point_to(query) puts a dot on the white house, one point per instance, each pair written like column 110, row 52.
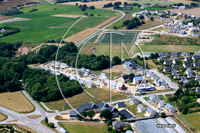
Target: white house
column 150, row 112
column 141, row 108
column 170, row 108
column 161, row 104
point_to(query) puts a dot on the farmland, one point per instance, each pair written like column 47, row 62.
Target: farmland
column 83, row 127
column 3, row 117
column 191, row 120
column 38, row 29
column 16, row 101
column 77, row 100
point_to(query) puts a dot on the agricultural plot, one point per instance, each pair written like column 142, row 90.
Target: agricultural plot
column 120, row 37
column 42, row 26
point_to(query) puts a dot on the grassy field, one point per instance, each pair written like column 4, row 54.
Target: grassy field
column 191, row 120
column 126, row 38
column 38, row 28
column 167, row 2
column 3, row 117
column 84, row 127
column 77, row 100
column 16, row 101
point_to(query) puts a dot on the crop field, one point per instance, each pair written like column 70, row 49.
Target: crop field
column 83, row 127
column 99, row 94
column 43, row 26
column 16, row 101
column 122, row 37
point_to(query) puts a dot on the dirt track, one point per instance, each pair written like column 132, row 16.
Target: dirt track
column 67, row 16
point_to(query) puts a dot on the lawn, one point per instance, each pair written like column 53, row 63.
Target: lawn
column 41, row 26
column 16, row 101
column 84, row 127
column 3, row 117
column 191, row 120
column 82, row 98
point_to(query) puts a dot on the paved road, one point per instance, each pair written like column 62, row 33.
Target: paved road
column 166, row 78
column 26, row 121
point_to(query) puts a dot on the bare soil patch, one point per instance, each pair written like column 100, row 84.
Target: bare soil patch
column 117, row 69
column 67, row 16
column 194, row 11
column 97, row 4
column 22, row 50
column 108, row 21
column 34, row 116
column 5, row 17
column 80, row 35
column 13, row 20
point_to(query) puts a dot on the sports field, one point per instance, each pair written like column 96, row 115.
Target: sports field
column 43, row 26
column 83, row 127
column 16, row 101
column 82, row 98
column 119, row 37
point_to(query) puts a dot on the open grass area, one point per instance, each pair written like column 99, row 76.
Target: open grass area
column 162, row 2
column 44, row 124
column 84, row 127
column 191, row 120
column 99, row 94
column 16, row 101
column 3, row 117
column 41, row 26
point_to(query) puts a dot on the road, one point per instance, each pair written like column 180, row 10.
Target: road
column 166, row 78
column 26, row 121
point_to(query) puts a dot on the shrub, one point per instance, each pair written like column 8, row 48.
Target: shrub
column 50, row 125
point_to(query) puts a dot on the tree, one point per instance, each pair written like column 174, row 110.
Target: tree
column 125, row 3
column 110, row 129
column 142, row 22
column 91, row 114
column 79, row 117
column 115, row 27
column 185, row 99
column 141, row 17
column 151, row 18
column 86, row 14
column 129, row 128
column 91, row 15
column 51, row 125
column 125, row 23
column 163, row 115
column 76, row 4
column 84, row 113
column 109, row 122
column 106, row 114
column 46, row 120
column 131, row 25
column 123, row 117
column 83, row 9
column 116, row 60
column 92, row 7
column 116, row 131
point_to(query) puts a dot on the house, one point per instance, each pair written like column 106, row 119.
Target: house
column 190, row 25
column 110, row 84
column 164, row 85
column 187, row 59
column 127, row 78
column 175, row 74
column 112, row 109
column 174, row 54
column 144, row 87
column 196, row 64
column 89, row 84
column 195, row 32
column 120, row 104
column 170, row 108
column 174, row 68
column 160, row 59
column 101, row 105
column 197, row 78
column 86, row 107
column 137, row 80
column 133, row 100
column 81, row 81
column 167, row 62
column 146, row 6
column 141, row 108
column 197, row 53
column 198, row 90
column 161, row 104
column 154, row 98
column 150, row 112
column 186, row 65
column 185, row 54
column 175, row 61
column 120, row 86
column 167, row 69
column 182, row 7
column 129, row 65
column 126, row 113
column 195, row 57
column 184, row 80
column 72, row 115
column 187, row 71
column 120, row 124
column 163, row 54
column 102, row 77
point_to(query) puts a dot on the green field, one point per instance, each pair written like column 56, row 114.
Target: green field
column 38, row 28
column 191, row 120
column 125, row 37
column 84, row 128
column 164, row 2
